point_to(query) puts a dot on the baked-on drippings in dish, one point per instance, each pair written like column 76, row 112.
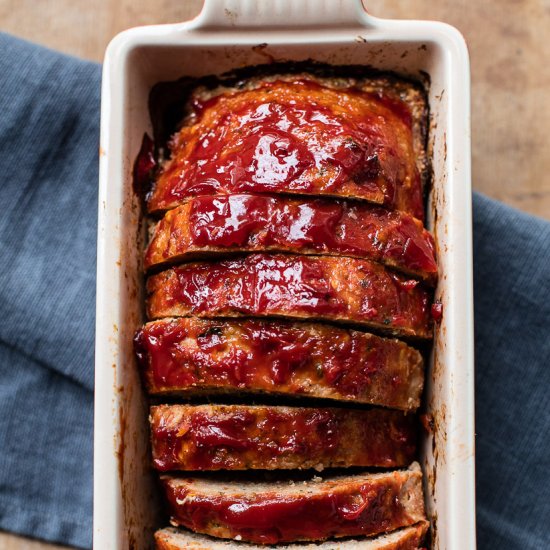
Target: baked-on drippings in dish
column 294, row 137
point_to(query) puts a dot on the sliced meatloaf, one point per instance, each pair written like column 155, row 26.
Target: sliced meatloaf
column 241, row 437
column 189, row 355
column 274, row 512
column 213, row 225
column 309, row 287
column 345, row 137
column 407, row 538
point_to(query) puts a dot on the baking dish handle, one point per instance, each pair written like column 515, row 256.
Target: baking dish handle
column 241, row 14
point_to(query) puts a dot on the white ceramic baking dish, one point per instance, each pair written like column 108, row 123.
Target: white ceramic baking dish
column 224, row 36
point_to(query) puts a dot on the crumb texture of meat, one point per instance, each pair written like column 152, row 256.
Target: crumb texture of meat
column 406, row 538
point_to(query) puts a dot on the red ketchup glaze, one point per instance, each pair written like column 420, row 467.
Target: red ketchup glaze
column 238, row 438
column 295, row 137
column 297, row 358
column 255, row 223
column 367, row 509
column 437, row 311
column 167, row 436
column 343, row 289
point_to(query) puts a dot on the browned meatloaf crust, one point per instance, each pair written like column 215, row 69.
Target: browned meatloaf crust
column 214, row 225
column 349, row 137
column 190, row 355
column 240, row 437
column 274, row 512
column 307, row 287
column 407, row 538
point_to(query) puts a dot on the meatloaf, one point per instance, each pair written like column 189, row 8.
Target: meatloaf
column 346, row 137
column 311, row 287
column 213, row 225
column 240, row 437
column 190, row 355
column 274, row 512
column 407, row 538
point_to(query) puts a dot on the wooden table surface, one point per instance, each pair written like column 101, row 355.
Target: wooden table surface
column 510, row 81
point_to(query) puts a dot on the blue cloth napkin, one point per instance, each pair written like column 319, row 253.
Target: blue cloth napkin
column 512, row 319
column 48, row 161
column 49, row 127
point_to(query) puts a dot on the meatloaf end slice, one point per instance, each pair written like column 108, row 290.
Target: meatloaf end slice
column 296, row 133
column 274, row 512
column 407, row 538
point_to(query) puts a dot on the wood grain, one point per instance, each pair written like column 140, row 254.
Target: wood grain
column 12, row 542
column 509, row 56
column 510, row 79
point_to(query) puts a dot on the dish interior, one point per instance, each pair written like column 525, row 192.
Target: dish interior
column 134, row 65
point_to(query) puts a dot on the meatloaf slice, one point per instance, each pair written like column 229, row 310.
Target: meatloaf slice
column 274, row 512
column 254, row 223
column 190, row 355
column 346, row 137
column 311, row 287
column 407, row 538
column 241, row 437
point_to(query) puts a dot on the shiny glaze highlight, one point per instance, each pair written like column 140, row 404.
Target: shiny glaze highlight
column 255, row 223
column 295, row 137
column 238, row 437
column 335, row 508
column 187, row 355
column 316, row 287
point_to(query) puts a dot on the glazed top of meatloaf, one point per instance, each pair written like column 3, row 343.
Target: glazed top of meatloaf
column 361, row 138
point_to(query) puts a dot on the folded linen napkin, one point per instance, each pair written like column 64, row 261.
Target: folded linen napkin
column 48, row 160
column 49, row 124
column 512, row 336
